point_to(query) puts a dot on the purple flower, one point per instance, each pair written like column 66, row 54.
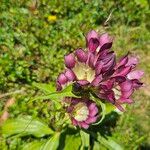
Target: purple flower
column 95, row 68
column 120, row 85
column 96, row 42
column 82, row 112
column 65, row 78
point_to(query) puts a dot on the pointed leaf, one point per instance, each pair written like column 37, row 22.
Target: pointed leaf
column 25, row 126
column 49, row 88
column 85, row 137
column 109, row 143
column 72, row 142
column 56, row 96
column 38, row 145
column 52, row 143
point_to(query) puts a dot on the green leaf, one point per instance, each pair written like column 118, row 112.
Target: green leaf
column 38, row 145
column 25, row 126
column 110, row 107
column 49, row 88
column 52, row 143
column 85, row 137
column 109, row 143
column 57, row 96
column 72, row 142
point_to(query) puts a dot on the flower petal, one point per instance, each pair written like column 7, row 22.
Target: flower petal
column 84, row 125
column 126, row 94
column 74, row 122
column 92, row 39
column 105, row 41
column 93, row 112
column 81, row 55
column 91, row 120
column 125, row 100
column 124, row 71
column 97, row 80
column 70, row 61
column 70, row 75
column 83, row 82
column 92, row 106
column 122, row 61
column 137, row 74
column 132, row 61
column 126, row 86
column 62, row 79
column 58, row 86
column 98, row 67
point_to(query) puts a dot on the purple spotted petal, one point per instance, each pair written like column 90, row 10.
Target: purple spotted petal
column 58, row 86
column 92, row 106
column 132, row 61
column 74, row 122
column 119, row 107
column 120, row 79
column 127, row 94
column 98, row 67
column 84, row 125
column 83, row 82
column 92, row 39
column 93, row 112
column 124, row 71
column 97, row 80
column 122, row 61
column 125, row 100
column 137, row 74
column 109, row 65
column 70, row 61
column 81, row 55
column 110, row 97
column 105, row 41
column 91, row 120
column 62, row 79
column 70, row 75
column 126, row 86
column 136, row 83
column 91, row 60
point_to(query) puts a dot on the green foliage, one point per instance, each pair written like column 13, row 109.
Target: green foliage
column 56, row 96
column 72, row 142
column 52, row 143
column 85, row 137
column 34, row 146
column 25, row 126
column 32, row 47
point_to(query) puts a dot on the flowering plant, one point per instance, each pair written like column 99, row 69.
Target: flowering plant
column 92, row 86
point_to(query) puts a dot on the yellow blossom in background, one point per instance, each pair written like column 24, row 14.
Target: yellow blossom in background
column 52, row 18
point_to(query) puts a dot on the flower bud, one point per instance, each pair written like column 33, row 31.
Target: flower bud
column 70, row 75
column 92, row 39
column 62, row 79
column 70, row 61
column 81, row 55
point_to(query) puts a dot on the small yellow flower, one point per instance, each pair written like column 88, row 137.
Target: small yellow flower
column 52, row 18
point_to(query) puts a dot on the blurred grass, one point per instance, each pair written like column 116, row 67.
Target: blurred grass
column 34, row 36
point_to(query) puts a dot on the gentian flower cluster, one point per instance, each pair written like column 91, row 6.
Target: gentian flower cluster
column 96, row 68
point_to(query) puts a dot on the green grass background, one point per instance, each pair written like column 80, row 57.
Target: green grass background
column 32, row 49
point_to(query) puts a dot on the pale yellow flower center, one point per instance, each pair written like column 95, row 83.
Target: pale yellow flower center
column 84, row 72
column 81, row 112
column 117, row 92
